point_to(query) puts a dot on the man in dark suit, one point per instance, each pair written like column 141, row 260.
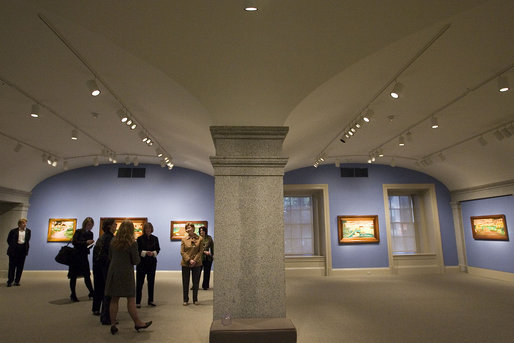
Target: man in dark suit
column 18, row 241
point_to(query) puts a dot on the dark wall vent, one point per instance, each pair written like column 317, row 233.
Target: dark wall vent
column 132, row 172
column 354, row 172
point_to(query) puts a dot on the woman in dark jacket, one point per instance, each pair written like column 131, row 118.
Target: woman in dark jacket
column 100, row 267
column 148, row 246
column 208, row 256
column 82, row 240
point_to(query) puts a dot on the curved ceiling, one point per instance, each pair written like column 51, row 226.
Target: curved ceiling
column 179, row 67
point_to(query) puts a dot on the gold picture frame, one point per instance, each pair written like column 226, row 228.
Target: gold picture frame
column 358, row 229
column 178, row 231
column 139, row 222
column 491, row 227
column 61, row 229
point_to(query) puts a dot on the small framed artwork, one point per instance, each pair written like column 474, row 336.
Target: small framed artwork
column 61, row 229
column 138, row 224
column 358, row 229
column 178, row 228
column 492, row 227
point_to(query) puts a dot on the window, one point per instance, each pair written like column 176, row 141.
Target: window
column 298, row 225
column 403, row 225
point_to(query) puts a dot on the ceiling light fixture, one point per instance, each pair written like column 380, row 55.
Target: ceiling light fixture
column 367, row 116
column 34, row 112
column 401, row 141
column 135, row 161
column 74, row 135
column 93, row 87
column 158, row 152
column 250, row 6
column 123, row 115
column 95, row 162
column 127, row 160
column 143, row 136
column 434, row 123
column 395, row 93
column 503, row 83
column 342, row 140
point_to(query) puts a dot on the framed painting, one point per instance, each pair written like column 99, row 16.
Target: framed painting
column 61, row 229
column 358, row 229
column 178, row 228
column 138, row 224
column 492, row 227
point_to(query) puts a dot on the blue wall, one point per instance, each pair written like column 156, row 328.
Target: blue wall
column 162, row 196
column 183, row 194
column 496, row 255
column 364, row 196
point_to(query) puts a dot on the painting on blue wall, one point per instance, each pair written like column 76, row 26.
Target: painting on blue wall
column 492, row 227
column 178, row 228
column 358, row 229
column 61, row 229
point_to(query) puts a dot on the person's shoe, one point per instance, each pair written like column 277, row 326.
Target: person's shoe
column 91, row 295
column 205, row 288
column 9, row 284
column 138, row 305
column 191, row 288
column 147, row 324
column 96, row 313
column 185, row 303
column 196, row 302
column 151, row 303
column 114, row 329
column 16, row 283
column 106, row 323
column 74, row 298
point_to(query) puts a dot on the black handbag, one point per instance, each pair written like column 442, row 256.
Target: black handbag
column 66, row 255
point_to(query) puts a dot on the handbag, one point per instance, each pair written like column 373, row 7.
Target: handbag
column 66, row 255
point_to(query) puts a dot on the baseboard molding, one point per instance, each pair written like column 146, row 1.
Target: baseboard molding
column 453, row 269
column 360, row 271
column 491, row 274
column 314, row 271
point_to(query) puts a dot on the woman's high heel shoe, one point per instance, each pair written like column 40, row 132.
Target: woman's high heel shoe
column 114, row 329
column 91, row 295
column 74, row 298
column 147, row 324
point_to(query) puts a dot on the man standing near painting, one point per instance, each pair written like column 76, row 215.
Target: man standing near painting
column 18, row 241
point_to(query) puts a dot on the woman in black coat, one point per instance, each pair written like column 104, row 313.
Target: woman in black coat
column 148, row 246
column 82, row 240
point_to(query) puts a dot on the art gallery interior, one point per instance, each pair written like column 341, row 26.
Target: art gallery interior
column 350, row 155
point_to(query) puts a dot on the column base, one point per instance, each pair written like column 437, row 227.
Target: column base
column 253, row 330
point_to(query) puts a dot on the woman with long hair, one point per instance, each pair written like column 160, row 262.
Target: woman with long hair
column 120, row 276
column 82, row 241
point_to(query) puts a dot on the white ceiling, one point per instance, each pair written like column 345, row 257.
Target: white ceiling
column 314, row 66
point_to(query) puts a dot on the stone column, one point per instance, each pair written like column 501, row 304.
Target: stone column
column 249, row 222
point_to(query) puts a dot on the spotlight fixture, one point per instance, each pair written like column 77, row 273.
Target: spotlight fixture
column 369, row 160
column 401, row 141
column 123, row 115
column 65, row 165
column 95, row 162
column 434, row 123
column 342, row 140
column 163, row 164
column 133, row 126
column 503, row 83
column 506, row 132
column 395, row 93
column 367, row 116
column 143, row 136
column 250, row 6
column 392, row 163
column 135, row 161
column 93, row 87
column 498, row 135
column 337, row 163
column 128, row 122
column 353, row 130
column 380, row 153
column 158, row 152
column 127, row 160
column 357, row 125
column 34, row 112
column 408, row 135
column 18, row 147
column 482, row 141
column 170, row 166
column 350, row 133
column 74, row 135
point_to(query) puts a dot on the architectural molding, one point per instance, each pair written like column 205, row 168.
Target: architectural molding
column 482, row 192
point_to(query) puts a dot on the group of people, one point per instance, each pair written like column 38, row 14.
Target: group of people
column 114, row 256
